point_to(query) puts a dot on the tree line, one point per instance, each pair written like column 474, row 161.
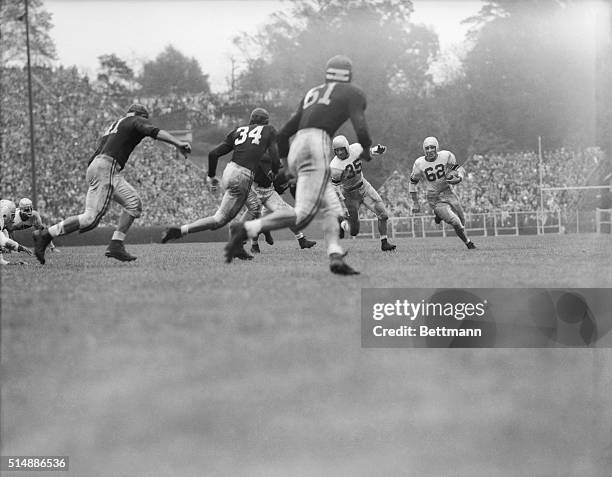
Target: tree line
column 530, row 68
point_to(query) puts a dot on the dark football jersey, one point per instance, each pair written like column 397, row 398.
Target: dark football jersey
column 249, row 144
column 327, row 107
column 262, row 173
column 121, row 137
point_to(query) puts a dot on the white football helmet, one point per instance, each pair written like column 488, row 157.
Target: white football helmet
column 430, row 148
column 7, row 209
column 340, row 145
column 25, row 207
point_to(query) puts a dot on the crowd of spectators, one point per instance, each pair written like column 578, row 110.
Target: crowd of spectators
column 510, row 182
column 69, row 115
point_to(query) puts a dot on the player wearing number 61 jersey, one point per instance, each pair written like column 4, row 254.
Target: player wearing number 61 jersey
column 322, row 110
column 439, row 171
column 249, row 143
column 353, row 189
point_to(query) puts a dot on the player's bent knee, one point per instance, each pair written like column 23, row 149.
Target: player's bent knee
column 220, row 220
column 383, row 216
column 87, row 220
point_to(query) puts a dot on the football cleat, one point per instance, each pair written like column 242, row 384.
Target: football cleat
column 171, row 233
column 255, row 248
column 305, row 243
column 117, row 250
column 385, row 246
column 234, row 247
column 269, row 238
column 41, row 241
column 338, row 266
column 470, row 245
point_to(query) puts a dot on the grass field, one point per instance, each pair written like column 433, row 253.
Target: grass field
column 180, row 365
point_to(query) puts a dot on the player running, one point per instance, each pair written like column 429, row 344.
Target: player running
column 249, row 143
column 7, row 215
column 263, row 199
column 439, row 170
column 320, row 113
column 354, row 190
column 106, row 183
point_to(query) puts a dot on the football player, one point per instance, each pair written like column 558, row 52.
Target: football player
column 440, row 171
column 106, row 183
column 322, row 110
column 354, row 190
column 249, row 143
column 7, row 215
column 26, row 217
column 263, row 199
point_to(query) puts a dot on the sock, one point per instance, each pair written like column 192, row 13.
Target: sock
column 253, row 227
column 460, row 231
column 299, row 235
column 57, row 229
column 184, row 229
column 118, row 236
column 334, row 248
column 383, row 238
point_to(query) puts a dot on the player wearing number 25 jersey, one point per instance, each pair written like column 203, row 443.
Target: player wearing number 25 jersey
column 353, row 189
column 439, row 171
column 320, row 113
column 106, row 182
column 249, row 143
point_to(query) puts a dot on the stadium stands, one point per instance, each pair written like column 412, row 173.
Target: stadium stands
column 70, row 113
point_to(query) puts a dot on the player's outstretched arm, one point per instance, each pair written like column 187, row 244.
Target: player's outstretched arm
column 12, row 245
column 183, row 147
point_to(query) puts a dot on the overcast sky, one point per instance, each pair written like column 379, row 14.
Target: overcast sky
column 139, row 30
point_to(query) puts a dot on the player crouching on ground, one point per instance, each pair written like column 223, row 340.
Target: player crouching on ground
column 354, row 190
column 439, row 170
column 26, row 217
column 7, row 215
column 106, row 183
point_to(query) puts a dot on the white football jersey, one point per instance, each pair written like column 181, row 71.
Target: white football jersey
column 433, row 173
column 33, row 221
column 347, row 172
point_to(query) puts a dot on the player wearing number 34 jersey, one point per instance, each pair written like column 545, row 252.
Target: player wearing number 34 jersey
column 439, row 171
column 249, row 143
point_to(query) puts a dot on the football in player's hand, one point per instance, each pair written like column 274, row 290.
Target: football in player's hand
column 453, row 177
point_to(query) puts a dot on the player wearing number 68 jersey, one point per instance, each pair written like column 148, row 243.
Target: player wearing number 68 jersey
column 439, row 171
column 354, row 190
column 249, row 143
